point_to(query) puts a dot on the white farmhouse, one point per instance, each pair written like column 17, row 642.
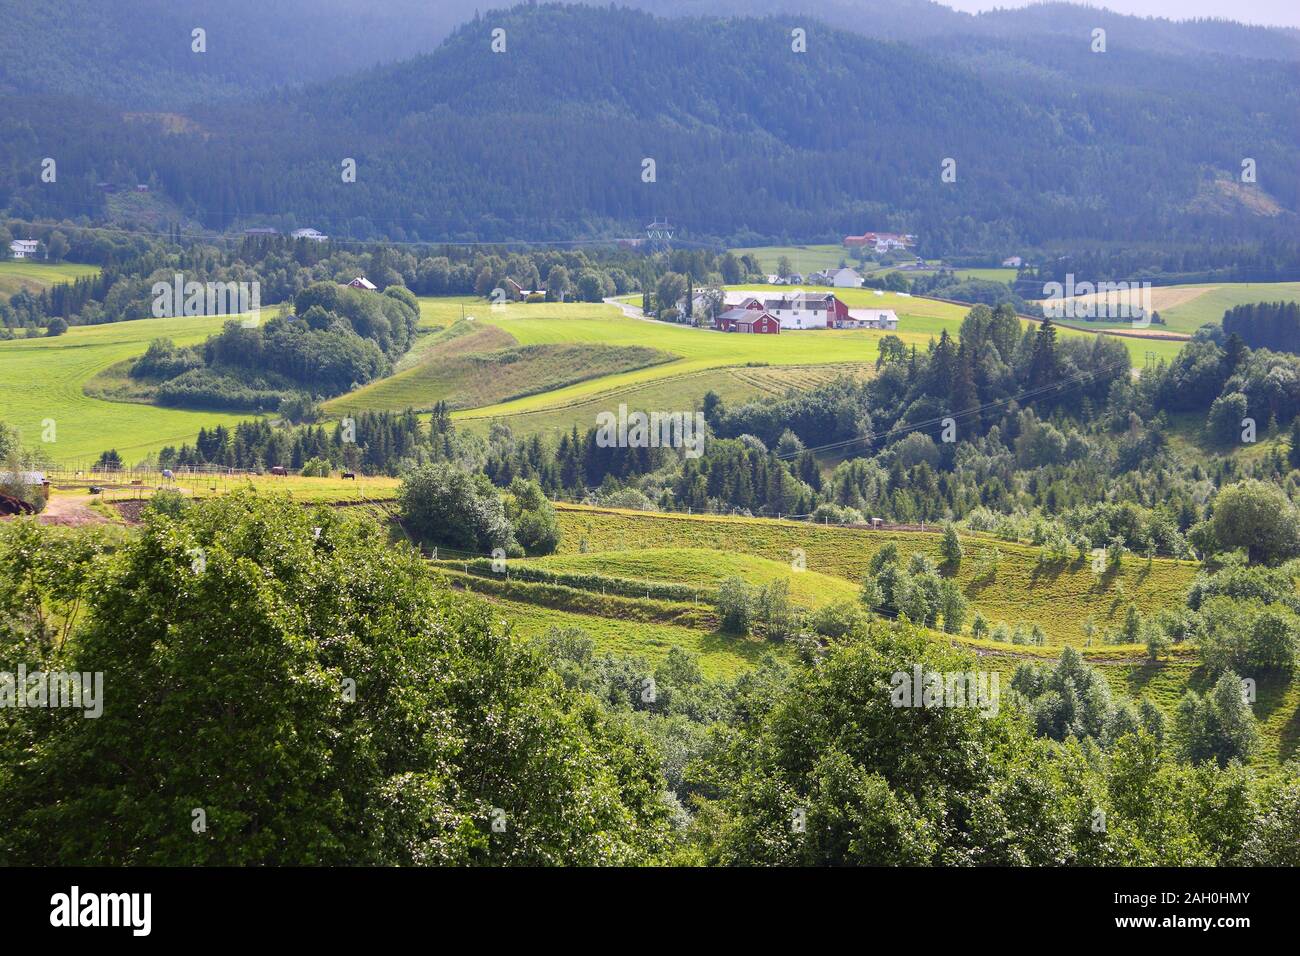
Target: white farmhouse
column 24, row 248
column 847, row 278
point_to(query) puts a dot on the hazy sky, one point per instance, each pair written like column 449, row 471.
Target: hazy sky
column 1271, row 12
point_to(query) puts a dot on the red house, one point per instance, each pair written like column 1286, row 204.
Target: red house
column 748, row 320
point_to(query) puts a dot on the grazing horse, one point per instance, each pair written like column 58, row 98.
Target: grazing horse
column 350, row 474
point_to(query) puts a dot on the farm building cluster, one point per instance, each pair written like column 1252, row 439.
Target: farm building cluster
column 760, row 313
column 881, row 241
column 844, row 278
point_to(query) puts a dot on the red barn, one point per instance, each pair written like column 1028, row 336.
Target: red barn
column 748, row 320
column 763, row 323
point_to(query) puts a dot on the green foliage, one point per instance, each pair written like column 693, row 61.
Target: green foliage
column 1218, row 726
column 447, row 506
column 917, row 592
column 316, row 468
column 742, row 608
column 951, row 547
column 322, row 703
column 1258, row 517
column 830, row 773
column 533, row 517
column 1070, row 699
column 167, row 501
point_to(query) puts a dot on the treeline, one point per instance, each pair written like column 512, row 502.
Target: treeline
column 1266, row 325
column 283, row 267
column 1162, row 263
column 1220, row 375
column 337, row 338
column 1008, row 431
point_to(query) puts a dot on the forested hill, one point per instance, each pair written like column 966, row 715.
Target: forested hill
column 138, row 53
column 750, row 140
column 915, row 20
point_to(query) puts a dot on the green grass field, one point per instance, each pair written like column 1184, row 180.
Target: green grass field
column 1188, row 438
column 682, row 392
column 1185, row 308
column 804, row 259
column 477, row 368
column 18, row 274
column 374, row 489
column 994, row 274
column 42, row 379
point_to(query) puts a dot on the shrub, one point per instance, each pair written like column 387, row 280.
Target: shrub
column 316, row 468
column 536, row 525
column 450, row 507
column 736, row 606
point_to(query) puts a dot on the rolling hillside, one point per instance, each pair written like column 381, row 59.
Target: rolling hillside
column 1059, row 598
column 44, row 378
column 20, row 274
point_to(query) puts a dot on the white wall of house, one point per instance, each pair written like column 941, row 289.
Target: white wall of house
column 800, row 318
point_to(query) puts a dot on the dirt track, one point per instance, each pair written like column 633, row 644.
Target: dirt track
column 70, row 510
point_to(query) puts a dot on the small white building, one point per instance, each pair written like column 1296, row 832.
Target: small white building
column 847, row 278
column 311, row 234
column 1012, row 262
column 24, row 248
column 871, row 319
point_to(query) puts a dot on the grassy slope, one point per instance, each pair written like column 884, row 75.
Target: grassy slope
column 43, row 378
column 808, row 589
column 469, row 380
column 16, row 274
column 804, row 259
column 1059, row 598
column 1059, row 602
column 1185, row 308
column 682, row 392
column 1188, row 438
column 332, row 490
column 720, row 655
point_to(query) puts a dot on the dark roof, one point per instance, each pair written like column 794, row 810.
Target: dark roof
column 747, row 315
column 813, row 303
